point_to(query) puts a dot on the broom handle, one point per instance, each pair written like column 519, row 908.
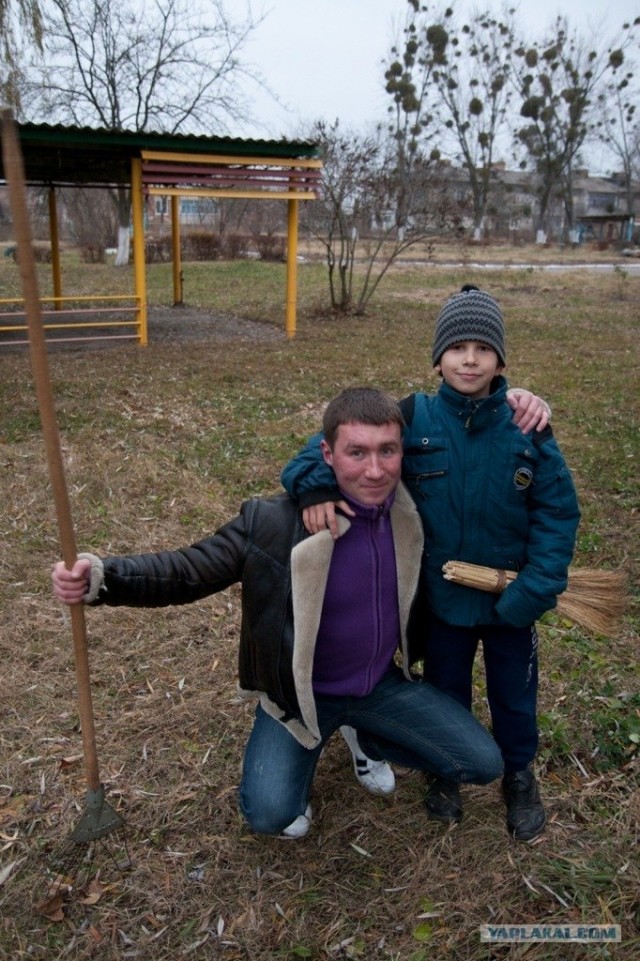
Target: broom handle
column 14, row 175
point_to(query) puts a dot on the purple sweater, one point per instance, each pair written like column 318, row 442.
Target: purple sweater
column 357, row 640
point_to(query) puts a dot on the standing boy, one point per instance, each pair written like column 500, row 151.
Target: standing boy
column 487, row 494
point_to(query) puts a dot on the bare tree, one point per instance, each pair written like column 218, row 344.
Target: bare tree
column 409, row 83
column 90, row 220
column 618, row 126
column 381, row 193
column 472, row 65
column 20, row 21
column 154, row 65
column 558, row 81
column 355, row 216
column 635, row 152
column 455, row 74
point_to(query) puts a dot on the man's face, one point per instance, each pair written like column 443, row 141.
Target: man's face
column 367, row 460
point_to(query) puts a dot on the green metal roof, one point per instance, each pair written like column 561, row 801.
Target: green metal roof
column 84, row 156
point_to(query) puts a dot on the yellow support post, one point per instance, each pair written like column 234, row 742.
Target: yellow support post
column 292, row 267
column 138, row 246
column 55, row 247
column 176, row 253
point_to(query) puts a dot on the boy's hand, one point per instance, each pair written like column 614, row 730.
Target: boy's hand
column 529, row 410
column 70, row 586
column 320, row 517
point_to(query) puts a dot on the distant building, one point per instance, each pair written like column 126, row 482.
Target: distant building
column 600, row 204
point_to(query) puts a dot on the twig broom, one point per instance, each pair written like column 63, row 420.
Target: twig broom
column 99, row 819
column 594, row 599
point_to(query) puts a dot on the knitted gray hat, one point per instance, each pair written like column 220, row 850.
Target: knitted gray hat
column 470, row 315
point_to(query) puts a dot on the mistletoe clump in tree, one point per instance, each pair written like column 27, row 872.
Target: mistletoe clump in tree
column 560, row 83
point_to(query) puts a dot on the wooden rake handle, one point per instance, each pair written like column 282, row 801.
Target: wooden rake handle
column 14, row 175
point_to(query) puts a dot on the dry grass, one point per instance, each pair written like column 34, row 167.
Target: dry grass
column 160, row 446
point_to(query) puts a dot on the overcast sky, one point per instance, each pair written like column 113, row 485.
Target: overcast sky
column 323, row 57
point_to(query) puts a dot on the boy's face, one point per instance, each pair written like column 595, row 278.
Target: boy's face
column 469, row 367
column 367, row 460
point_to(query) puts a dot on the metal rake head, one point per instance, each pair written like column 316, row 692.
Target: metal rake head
column 72, row 864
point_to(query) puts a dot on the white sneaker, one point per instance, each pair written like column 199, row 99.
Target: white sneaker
column 298, row 828
column 376, row 776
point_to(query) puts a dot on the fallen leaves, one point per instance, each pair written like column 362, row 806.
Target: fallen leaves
column 93, row 892
column 8, row 869
column 72, row 761
column 52, row 908
column 13, row 809
column 60, row 888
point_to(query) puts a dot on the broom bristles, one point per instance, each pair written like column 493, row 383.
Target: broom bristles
column 594, row 599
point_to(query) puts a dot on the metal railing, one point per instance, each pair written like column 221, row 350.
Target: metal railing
column 84, row 315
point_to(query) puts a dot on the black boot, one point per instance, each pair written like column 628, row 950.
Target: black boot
column 442, row 800
column 525, row 813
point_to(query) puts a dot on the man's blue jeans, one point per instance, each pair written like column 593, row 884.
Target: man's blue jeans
column 408, row 723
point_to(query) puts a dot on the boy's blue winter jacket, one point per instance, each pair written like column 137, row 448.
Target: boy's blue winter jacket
column 487, row 494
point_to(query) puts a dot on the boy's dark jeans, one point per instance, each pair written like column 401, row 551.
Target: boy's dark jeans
column 511, row 669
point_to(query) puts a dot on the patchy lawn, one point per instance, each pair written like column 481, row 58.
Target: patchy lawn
column 161, row 445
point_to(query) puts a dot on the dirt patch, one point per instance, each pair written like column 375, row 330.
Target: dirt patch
column 180, row 324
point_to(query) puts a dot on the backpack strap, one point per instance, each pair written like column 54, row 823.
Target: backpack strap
column 540, row 437
column 408, row 406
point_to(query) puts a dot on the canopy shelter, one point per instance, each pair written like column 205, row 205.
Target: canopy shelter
column 174, row 165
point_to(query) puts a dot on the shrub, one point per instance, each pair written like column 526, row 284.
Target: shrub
column 158, row 250
column 270, row 247
column 236, row 246
column 201, row 245
column 41, row 252
column 92, row 254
